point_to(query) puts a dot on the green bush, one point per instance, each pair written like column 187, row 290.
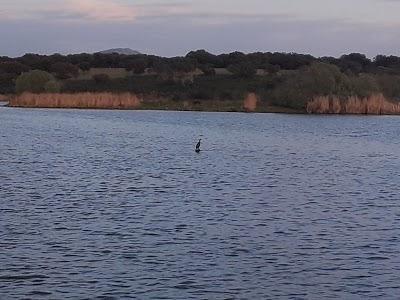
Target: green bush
column 318, row 79
column 34, row 81
column 52, row 87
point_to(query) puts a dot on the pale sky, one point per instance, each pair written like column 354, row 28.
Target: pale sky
column 174, row 27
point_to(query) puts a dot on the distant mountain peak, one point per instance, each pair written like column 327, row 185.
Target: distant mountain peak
column 126, row 51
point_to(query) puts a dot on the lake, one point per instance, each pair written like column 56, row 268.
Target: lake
column 116, row 204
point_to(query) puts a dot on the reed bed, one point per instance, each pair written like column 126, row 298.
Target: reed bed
column 79, row 100
column 250, row 102
column 372, row 105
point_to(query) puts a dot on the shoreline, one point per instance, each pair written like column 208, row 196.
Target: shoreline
column 128, row 101
column 274, row 110
column 324, row 105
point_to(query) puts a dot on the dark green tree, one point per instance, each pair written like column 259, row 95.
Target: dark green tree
column 64, row 70
column 243, row 70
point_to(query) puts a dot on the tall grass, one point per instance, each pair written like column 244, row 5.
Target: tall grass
column 250, row 102
column 79, row 100
column 373, row 105
column 3, row 97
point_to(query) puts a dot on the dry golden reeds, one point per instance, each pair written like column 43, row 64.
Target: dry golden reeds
column 79, row 100
column 250, row 102
column 373, row 105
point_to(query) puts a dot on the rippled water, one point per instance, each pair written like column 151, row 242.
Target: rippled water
column 117, row 205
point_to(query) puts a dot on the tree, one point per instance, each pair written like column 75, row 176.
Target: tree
column 7, row 84
column 387, row 61
column 243, row 70
column 138, row 66
column 34, row 81
column 36, row 61
column 207, row 70
column 181, row 64
column 389, row 86
column 84, row 66
column 318, row 79
column 357, row 57
column 289, row 61
column 364, row 85
column 52, row 86
column 203, row 57
column 64, row 70
column 101, row 78
column 354, row 63
column 163, row 70
column 258, row 59
column 271, row 68
column 13, row 67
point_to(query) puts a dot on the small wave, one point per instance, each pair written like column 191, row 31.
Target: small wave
column 22, row 277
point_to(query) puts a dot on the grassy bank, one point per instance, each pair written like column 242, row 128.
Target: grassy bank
column 250, row 103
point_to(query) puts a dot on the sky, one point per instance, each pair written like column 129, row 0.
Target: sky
column 175, row 27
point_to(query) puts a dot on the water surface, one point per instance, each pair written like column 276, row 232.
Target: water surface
column 117, row 205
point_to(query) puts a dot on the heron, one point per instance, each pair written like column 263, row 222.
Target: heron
column 198, row 146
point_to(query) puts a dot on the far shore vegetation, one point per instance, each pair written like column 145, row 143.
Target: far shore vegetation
column 263, row 82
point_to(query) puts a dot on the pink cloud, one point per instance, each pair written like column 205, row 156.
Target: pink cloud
column 100, row 10
column 95, row 11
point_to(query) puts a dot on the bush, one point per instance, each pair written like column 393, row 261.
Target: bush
column 7, row 84
column 226, row 95
column 101, row 78
column 207, row 70
column 201, row 95
column 13, row 68
column 52, row 87
column 364, row 85
column 243, row 70
column 34, row 81
column 64, row 70
column 318, row 79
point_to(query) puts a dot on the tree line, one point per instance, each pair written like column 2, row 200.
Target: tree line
column 291, row 78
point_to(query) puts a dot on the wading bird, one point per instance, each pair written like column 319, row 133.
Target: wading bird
column 198, row 146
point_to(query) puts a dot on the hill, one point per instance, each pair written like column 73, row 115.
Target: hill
column 124, row 51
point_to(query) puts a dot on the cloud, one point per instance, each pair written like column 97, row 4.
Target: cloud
column 112, row 11
column 109, row 11
column 98, row 10
column 68, row 10
column 160, row 10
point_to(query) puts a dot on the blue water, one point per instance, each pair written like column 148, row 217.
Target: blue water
column 117, row 205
